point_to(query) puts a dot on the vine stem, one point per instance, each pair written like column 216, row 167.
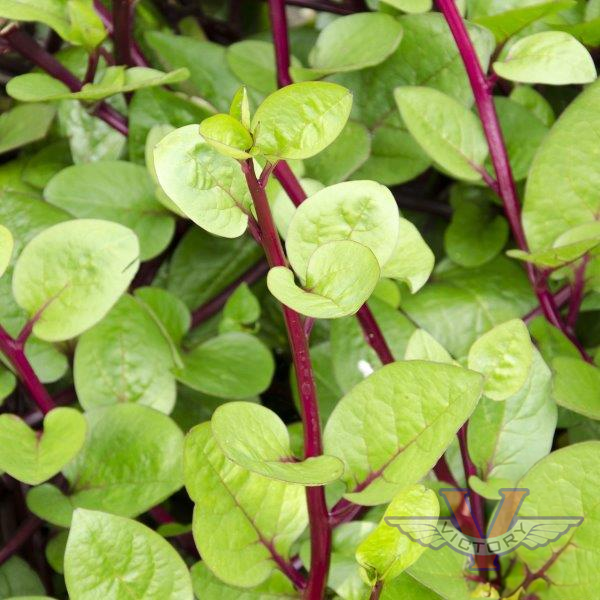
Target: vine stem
column 122, row 15
column 14, row 350
column 23, row 533
column 324, row 6
column 320, row 530
column 27, row 47
column 280, row 41
column 577, row 293
column 506, row 188
column 376, row 591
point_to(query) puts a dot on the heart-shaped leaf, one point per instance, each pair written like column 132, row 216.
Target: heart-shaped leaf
column 33, row 458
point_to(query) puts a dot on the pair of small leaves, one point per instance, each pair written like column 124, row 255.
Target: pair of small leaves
column 39, row 87
column 33, row 457
column 340, row 241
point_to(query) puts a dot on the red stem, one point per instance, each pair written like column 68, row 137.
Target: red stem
column 560, row 298
column 14, row 351
column 376, row 591
column 506, row 188
column 280, row 40
column 122, row 13
column 25, row 531
column 27, row 47
column 320, row 530
column 324, row 6
column 577, row 294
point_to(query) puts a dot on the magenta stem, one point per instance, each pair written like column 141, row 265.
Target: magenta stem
column 324, row 6
column 14, row 350
column 23, row 533
column 506, row 188
column 281, row 41
column 122, row 14
column 577, row 294
column 560, row 298
column 320, row 530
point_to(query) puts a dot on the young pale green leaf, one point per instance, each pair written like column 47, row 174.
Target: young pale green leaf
column 423, row 346
column 208, row 187
column 450, row 133
column 241, row 310
column 8, row 383
column 300, row 120
column 116, row 191
column 340, row 278
column 386, row 551
column 477, row 232
column 576, row 386
column 343, row 157
column 39, row 87
column 535, row 103
column 240, row 106
column 565, row 484
column 116, row 558
column 244, row 523
column 31, row 458
column 169, row 312
column 504, row 355
column 361, row 211
column 131, row 461
column 551, row 57
column 227, row 135
column 71, row 274
column 209, row 587
column 410, row 6
column 232, row 365
column 355, row 42
column 7, row 244
column 425, row 404
column 50, row 504
column 256, row 439
column 412, row 260
column 561, row 188
column 507, row 438
column 130, row 355
column 23, row 125
column 87, row 28
column 505, row 24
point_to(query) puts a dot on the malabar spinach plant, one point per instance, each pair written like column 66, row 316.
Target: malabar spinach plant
column 277, row 277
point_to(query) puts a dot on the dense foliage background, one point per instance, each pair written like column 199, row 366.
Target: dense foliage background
column 165, row 431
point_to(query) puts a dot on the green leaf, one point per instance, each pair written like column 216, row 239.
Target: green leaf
column 39, row 87
column 204, row 265
column 227, row 135
column 411, row 6
column 504, row 356
column 352, row 43
column 551, row 57
column 423, row 346
column 7, row 244
column 132, row 461
column 125, row 358
column 232, row 365
column 50, row 504
column 207, row 586
column 300, row 120
column 208, row 187
column 477, row 232
column 116, row 558
column 241, row 310
column 116, row 191
column 23, row 125
column 55, row 551
column 243, row 522
column 576, row 386
column 505, row 24
column 18, row 578
column 74, row 272
column 240, row 106
column 361, row 211
column 445, row 129
column 561, row 188
column 425, row 404
column 565, row 484
column 253, row 63
column 412, row 260
column 256, row 439
column 459, row 305
column 8, row 383
column 535, row 103
column 340, row 278
column 386, row 551
column 170, row 313
column 46, row 163
column 343, row 157
column 209, row 77
column 34, row 458
column 507, row 438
